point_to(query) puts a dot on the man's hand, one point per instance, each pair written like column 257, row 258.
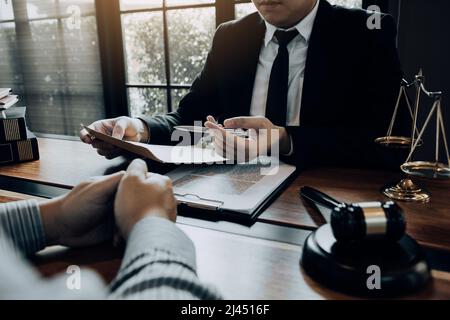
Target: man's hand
column 263, row 137
column 84, row 216
column 142, row 194
column 123, row 128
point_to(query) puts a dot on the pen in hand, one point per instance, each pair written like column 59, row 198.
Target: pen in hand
column 238, row 132
column 207, row 140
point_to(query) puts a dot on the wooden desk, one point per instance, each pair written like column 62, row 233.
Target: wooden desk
column 267, row 269
column 67, row 163
column 63, row 164
column 428, row 223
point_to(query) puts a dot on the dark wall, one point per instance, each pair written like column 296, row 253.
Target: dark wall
column 424, row 42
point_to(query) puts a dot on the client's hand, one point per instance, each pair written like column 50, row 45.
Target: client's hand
column 84, row 216
column 262, row 138
column 142, row 194
column 123, row 128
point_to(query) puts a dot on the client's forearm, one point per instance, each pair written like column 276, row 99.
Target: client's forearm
column 159, row 263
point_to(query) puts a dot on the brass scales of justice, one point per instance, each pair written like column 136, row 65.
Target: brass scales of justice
column 407, row 189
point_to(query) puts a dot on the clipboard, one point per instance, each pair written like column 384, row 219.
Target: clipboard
column 200, row 192
column 203, row 192
column 213, row 213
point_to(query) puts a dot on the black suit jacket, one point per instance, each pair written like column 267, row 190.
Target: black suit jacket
column 351, row 83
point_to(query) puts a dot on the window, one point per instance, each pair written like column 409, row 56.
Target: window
column 166, row 43
column 244, row 8
column 49, row 56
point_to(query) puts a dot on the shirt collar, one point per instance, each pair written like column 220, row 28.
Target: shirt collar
column 304, row 27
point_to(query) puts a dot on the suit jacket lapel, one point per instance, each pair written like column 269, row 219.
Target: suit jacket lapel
column 250, row 51
column 316, row 64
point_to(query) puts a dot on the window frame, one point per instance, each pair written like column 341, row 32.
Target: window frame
column 168, row 86
column 112, row 51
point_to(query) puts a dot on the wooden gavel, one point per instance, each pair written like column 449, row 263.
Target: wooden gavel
column 361, row 221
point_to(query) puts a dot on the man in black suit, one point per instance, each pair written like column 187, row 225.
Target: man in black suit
column 320, row 75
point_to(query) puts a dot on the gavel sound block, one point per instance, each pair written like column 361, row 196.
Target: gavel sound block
column 364, row 250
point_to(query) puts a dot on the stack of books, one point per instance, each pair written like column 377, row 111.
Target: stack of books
column 17, row 143
column 7, row 99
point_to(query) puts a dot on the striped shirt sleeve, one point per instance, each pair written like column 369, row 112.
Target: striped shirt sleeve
column 21, row 223
column 159, row 263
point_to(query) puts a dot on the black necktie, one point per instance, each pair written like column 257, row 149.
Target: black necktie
column 276, row 108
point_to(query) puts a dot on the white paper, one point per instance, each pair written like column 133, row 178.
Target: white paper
column 165, row 154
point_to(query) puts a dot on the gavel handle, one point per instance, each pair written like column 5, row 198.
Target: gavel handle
column 319, row 198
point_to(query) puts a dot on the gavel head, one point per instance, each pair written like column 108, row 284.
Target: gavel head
column 365, row 221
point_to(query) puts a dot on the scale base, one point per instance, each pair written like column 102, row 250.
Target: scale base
column 344, row 266
column 407, row 190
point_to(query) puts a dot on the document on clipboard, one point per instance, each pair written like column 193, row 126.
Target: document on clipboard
column 239, row 188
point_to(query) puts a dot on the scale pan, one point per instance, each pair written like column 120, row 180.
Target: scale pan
column 395, row 142
column 431, row 170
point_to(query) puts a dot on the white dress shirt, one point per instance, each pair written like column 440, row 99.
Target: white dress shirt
column 298, row 51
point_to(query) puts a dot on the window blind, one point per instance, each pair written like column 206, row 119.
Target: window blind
column 49, row 55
